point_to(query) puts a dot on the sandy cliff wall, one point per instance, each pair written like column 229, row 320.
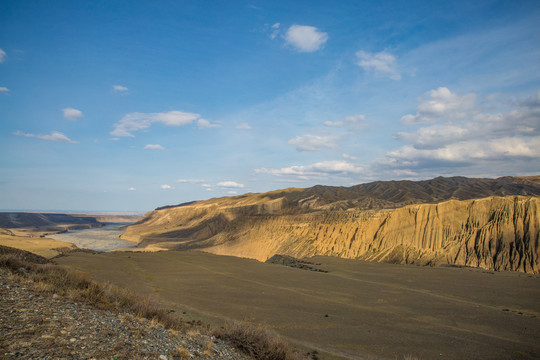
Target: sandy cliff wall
column 492, row 233
column 500, row 233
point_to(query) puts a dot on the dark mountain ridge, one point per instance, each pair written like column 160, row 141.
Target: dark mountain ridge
column 393, row 194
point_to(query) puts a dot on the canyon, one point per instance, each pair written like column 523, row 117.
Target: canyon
column 488, row 223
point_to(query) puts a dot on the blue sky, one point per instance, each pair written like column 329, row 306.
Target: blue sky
column 130, row 105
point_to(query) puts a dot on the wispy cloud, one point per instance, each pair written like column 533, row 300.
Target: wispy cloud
column 190, row 181
column 305, row 38
column 53, row 136
column 317, row 170
column 355, row 122
column 72, row 114
column 132, row 189
column 139, row 121
column 4, row 90
column 230, row 184
column 205, row 124
column 243, row 126
column 349, row 157
column 274, row 30
column 3, row 56
column 153, row 147
column 120, row 89
column 441, row 103
column 166, row 187
column 381, row 62
column 313, row 142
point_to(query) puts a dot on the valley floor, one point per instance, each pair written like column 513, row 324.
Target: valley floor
column 357, row 310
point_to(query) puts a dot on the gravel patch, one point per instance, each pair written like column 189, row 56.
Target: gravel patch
column 38, row 326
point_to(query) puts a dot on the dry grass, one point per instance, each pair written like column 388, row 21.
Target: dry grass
column 45, row 247
column 256, row 341
column 50, row 278
column 182, row 353
column 45, row 277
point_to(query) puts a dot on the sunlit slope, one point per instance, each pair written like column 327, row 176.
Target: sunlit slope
column 495, row 232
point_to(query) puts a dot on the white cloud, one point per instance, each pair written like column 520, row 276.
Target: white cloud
column 120, row 89
column 232, row 192
column 435, row 136
column 313, row 142
column 305, row 38
column 230, row 184
column 243, row 126
column 317, row 170
column 467, row 151
column 4, row 89
column 468, row 136
column 190, row 181
column 206, row 185
column 354, row 122
column 205, row 124
column 275, row 31
column 154, row 147
column 166, row 187
column 72, row 114
column 349, row 157
column 53, row 136
column 132, row 189
column 2, row 56
column 381, row 62
column 139, row 121
column 441, row 103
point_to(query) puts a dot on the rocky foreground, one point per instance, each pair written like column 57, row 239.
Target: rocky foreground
column 40, row 326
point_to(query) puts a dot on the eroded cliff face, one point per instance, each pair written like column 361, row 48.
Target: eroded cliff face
column 497, row 233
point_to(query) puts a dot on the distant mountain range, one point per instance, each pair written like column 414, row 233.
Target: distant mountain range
column 490, row 223
column 394, row 194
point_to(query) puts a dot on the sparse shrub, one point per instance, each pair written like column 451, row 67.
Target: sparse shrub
column 208, row 347
column 182, row 353
column 256, row 341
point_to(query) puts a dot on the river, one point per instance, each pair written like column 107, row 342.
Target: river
column 105, row 238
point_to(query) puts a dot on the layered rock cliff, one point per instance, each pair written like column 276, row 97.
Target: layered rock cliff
column 496, row 232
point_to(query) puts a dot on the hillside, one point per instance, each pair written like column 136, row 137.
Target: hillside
column 438, row 221
column 52, row 222
column 385, row 194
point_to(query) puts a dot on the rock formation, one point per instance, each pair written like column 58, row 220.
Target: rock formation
column 426, row 223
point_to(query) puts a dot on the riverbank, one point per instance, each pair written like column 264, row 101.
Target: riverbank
column 105, row 238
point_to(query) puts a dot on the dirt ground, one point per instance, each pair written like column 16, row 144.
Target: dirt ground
column 357, row 310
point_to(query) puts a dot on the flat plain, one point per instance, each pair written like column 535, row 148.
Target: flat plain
column 45, row 247
column 358, row 310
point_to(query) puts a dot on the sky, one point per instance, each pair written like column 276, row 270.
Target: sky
column 131, row 105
